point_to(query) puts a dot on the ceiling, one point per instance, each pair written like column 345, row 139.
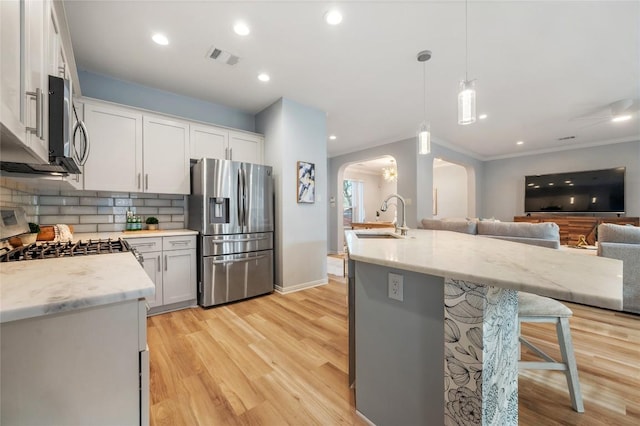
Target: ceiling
column 545, row 69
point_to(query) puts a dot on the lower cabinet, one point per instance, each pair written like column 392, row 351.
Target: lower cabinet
column 170, row 262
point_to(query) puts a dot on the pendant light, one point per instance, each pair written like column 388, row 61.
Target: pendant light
column 467, row 94
column 424, row 131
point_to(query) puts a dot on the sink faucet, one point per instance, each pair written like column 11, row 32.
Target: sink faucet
column 403, row 227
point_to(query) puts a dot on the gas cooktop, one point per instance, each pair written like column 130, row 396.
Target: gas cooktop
column 52, row 250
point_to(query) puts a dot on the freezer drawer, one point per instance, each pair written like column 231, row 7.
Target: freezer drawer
column 236, row 276
column 217, row 245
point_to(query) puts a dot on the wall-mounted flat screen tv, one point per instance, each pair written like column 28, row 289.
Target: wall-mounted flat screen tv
column 593, row 191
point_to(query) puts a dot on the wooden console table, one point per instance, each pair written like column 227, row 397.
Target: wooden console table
column 572, row 227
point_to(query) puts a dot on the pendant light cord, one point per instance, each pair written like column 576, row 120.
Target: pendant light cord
column 466, row 40
column 424, row 90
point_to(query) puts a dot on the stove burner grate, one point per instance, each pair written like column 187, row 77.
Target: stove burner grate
column 52, row 250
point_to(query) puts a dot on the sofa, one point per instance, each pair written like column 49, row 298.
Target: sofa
column 546, row 234
column 622, row 242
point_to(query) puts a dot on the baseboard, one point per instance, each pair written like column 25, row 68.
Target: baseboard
column 363, row 417
column 303, row 286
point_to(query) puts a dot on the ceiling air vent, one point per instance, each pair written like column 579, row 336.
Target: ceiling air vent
column 222, row 56
column 566, row 138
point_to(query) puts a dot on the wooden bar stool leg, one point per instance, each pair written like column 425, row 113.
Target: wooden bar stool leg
column 568, row 357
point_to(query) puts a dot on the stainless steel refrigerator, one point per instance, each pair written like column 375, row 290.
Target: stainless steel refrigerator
column 231, row 205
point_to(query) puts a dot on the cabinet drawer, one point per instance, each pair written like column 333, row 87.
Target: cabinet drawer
column 179, row 243
column 145, row 245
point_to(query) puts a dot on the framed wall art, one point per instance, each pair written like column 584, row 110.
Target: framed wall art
column 306, row 182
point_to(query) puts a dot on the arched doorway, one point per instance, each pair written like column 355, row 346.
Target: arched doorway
column 453, row 190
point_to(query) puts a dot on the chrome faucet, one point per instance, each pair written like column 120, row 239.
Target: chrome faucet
column 403, row 227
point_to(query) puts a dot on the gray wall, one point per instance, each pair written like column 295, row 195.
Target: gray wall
column 415, row 181
column 136, row 95
column 295, row 132
column 503, row 189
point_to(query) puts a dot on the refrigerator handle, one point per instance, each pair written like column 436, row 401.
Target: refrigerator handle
column 244, row 197
column 239, row 193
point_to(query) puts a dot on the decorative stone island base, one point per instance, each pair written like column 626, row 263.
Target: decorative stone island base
column 481, row 349
column 402, row 346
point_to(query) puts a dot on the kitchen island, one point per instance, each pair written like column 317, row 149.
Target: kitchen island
column 446, row 352
column 73, row 344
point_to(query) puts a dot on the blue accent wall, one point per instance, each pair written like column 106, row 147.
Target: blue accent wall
column 136, row 95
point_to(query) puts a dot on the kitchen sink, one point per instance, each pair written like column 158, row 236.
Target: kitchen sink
column 385, row 235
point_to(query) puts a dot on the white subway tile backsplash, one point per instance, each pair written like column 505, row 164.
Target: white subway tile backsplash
column 120, row 218
column 78, row 210
column 177, row 218
column 139, row 202
column 113, row 210
column 157, row 203
column 142, row 195
column 171, row 196
column 53, row 220
column 48, row 191
column 170, row 210
column 93, row 201
column 147, row 211
column 48, row 210
column 48, row 200
column 103, row 218
column 89, row 227
column 76, row 193
column 119, row 202
column 171, row 225
column 178, row 203
column 164, row 218
column 109, row 227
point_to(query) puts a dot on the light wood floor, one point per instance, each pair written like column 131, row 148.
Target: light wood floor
column 282, row 359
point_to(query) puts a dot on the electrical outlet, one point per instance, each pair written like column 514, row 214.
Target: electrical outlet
column 395, row 286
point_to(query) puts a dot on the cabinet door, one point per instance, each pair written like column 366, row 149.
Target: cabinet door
column 11, row 90
column 208, row 142
column 115, row 160
column 245, row 147
column 36, row 32
column 166, row 156
column 179, row 278
column 153, row 268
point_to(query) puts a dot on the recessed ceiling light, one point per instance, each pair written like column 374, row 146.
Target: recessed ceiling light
column 520, row 143
column 567, row 181
column 620, row 118
column 161, row 39
column 241, row 29
column 264, row 77
column 551, row 183
column 530, row 184
column 482, row 116
column 332, row 137
column 333, row 17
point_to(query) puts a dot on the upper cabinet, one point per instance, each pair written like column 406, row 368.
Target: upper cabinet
column 217, row 142
column 166, row 155
column 115, row 161
column 24, row 83
column 135, row 152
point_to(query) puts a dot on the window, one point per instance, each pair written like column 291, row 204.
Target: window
column 353, row 203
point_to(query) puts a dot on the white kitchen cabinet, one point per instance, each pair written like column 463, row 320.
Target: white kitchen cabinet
column 115, row 160
column 245, row 147
column 24, row 82
column 217, row 142
column 208, row 141
column 80, row 367
column 170, row 262
column 166, row 155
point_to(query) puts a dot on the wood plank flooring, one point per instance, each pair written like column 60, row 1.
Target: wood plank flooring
column 282, row 359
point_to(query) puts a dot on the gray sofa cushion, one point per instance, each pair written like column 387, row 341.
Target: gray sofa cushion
column 545, row 231
column 612, row 233
column 463, row 226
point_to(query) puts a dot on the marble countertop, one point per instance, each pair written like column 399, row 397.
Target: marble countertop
column 48, row 286
column 561, row 274
column 132, row 234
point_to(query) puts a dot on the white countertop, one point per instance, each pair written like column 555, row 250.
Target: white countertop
column 561, row 274
column 84, row 236
column 47, row 286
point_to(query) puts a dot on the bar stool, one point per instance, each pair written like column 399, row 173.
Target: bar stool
column 534, row 308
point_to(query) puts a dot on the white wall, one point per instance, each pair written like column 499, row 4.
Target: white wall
column 294, row 132
column 375, row 191
column 503, row 190
column 450, row 180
